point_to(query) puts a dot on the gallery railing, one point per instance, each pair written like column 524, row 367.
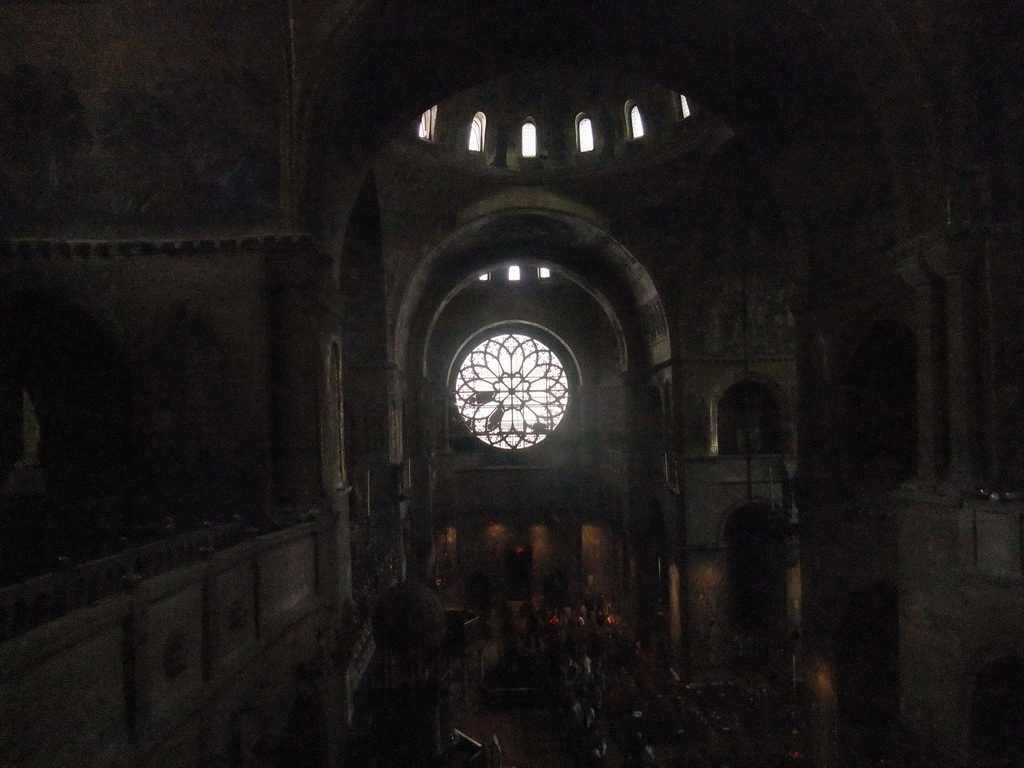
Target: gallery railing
column 44, row 598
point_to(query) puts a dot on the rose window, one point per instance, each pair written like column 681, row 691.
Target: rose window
column 511, row 391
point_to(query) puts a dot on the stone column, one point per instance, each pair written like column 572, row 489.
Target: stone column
column 956, row 264
column 931, row 425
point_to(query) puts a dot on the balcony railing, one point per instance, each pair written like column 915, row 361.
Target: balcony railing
column 44, row 598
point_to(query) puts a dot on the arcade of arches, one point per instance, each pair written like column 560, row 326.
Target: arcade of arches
column 710, row 316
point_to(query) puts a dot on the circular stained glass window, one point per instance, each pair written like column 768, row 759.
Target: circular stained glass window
column 511, row 391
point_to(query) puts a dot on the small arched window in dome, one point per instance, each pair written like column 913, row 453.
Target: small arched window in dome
column 584, row 133
column 634, row 121
column 529, row 138
column 476, row 132
column 426, row 126
column 684, row 106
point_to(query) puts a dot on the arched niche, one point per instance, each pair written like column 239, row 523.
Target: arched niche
column 364, row 337
column 64, row 399
column 749, row 420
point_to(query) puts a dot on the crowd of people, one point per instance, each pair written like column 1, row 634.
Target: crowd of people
column 621, row 707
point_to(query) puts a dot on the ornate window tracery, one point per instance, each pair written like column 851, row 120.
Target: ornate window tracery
column 511, row 390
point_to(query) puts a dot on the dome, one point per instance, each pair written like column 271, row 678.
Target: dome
column 408, row 619
column 561, row 122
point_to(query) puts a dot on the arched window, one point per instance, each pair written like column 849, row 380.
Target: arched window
column 684, row 107
column 476, row 132
column 584, row 133
column 634, row 121
column 748, row 420
column 529, row 139
column 426, row 126
column 511, row 390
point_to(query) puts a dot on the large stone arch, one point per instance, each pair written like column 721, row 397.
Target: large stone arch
column 599, row 264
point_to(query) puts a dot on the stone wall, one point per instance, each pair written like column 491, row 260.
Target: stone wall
column 961, row 565
column 129, row 119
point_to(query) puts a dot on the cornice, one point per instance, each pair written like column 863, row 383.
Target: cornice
column 120, row 250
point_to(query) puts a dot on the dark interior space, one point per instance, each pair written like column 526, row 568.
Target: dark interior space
column 543, row 384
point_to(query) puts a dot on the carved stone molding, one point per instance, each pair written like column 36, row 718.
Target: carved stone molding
column 108, row 250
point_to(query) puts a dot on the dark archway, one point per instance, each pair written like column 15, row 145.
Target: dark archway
column 58, row 359
column 997, row 715
column 374, row 527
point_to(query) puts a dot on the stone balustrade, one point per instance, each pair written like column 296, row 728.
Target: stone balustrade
column 42, row 599
column 156, row 651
